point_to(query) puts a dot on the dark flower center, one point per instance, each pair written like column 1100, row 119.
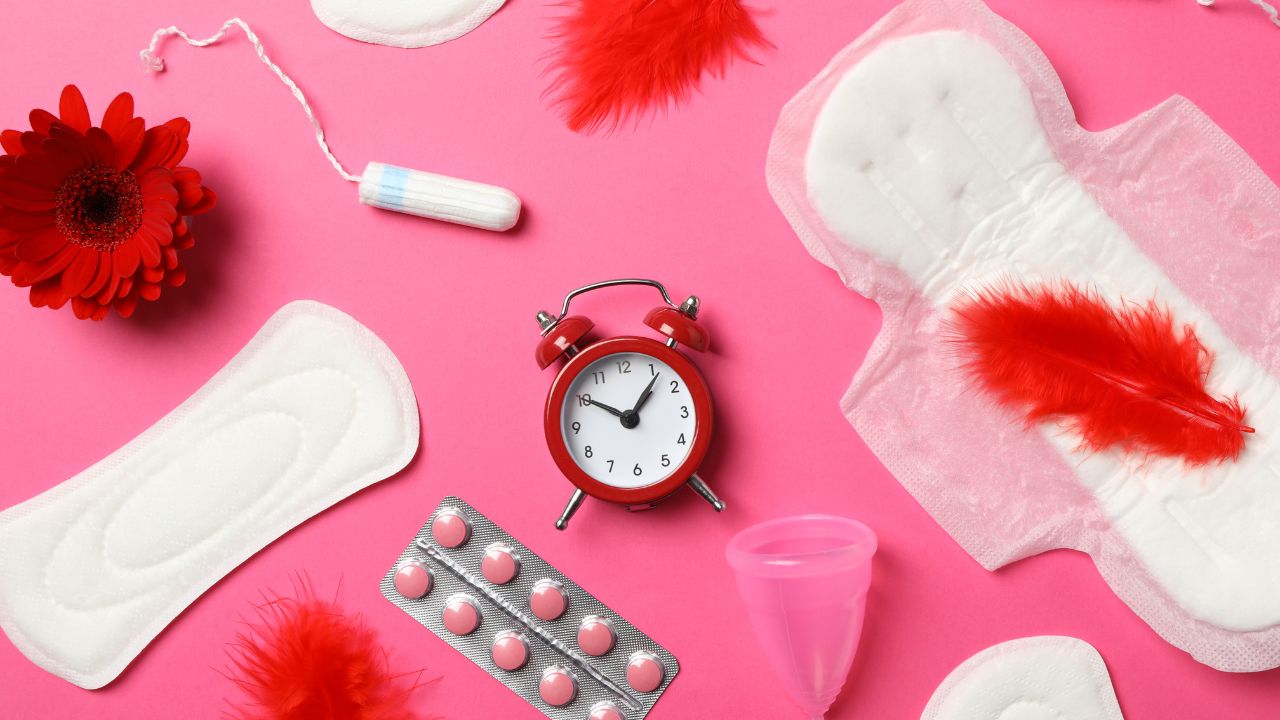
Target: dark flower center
column 99, row 207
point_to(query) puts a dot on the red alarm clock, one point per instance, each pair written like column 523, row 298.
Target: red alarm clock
column 628, row 419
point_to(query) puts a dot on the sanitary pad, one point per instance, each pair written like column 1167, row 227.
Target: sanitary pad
column 404, row 23
column 1037, row 678
column 313, row 409
column 939, row 153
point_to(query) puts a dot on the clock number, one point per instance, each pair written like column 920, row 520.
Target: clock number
column 598, row 377
column 637, row 471
column 684, row 411
column 576, row 427
column 666, row 461
column 652, row 371
column 588, row 452
column 675, row 387
column 681, row 440
column 624, row 367
column 610, row 465
column 583, row 400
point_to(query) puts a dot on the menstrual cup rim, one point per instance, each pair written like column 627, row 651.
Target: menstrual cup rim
column 743, row 556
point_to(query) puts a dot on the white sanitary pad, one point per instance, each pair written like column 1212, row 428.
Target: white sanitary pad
column 1036, row 678
column 939, row 153
column 313, row 409
column 404, row 23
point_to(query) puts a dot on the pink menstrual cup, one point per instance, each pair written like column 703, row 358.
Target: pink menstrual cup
column 804, row 580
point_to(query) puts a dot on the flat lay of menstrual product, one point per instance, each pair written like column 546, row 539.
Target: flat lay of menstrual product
column 938, row 157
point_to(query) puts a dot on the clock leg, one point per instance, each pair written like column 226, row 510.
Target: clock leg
column 701, row 488
column 575, row 502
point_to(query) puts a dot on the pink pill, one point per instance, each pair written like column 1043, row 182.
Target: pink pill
column 644, row 671
column 413, row 580
column 548, row 599
column 605, row 711
column 558, row 686
column 451, row 529
column 596, row 635
column 510, row 650
column 500, row 564
column 461, row 615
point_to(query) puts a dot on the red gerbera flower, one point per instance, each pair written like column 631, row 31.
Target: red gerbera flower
column 95, row 215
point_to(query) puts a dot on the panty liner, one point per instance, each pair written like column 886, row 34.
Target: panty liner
column 938, row 153
column 313, row 409
column 404, row 23
column 1036, row 678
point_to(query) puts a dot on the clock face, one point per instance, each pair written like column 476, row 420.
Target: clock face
column 612, row 441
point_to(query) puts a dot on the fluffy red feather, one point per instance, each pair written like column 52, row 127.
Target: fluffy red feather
column 620, row 59
column 1121, row 377
column 306, row 660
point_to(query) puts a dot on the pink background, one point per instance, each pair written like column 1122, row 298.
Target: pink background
column 682, row 199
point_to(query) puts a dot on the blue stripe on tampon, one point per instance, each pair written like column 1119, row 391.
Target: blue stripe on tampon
column 392, row 184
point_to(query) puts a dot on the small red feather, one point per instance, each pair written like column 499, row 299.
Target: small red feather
column 1124, row 377
column 620, row 59
column 306, row 660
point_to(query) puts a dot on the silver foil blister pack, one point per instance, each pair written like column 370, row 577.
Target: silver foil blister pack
column 462, row 570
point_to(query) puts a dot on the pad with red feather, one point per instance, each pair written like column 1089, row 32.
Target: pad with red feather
column 1124, row 377
column 620, row 59
column 306, row 660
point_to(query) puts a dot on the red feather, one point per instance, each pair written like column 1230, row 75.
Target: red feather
column 1124, row 377
column 306, row 660
column 620, row 59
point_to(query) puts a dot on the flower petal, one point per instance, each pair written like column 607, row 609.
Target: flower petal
column 100, row 276
column 24, row 197
column 158, row 146
column 101, row 313
column 162, row 209
column 149, row 291
column 118, row 114
column 148, row 240
column 48, row 293
column 98, row 142
column 41, row 121
column 82, row 308
column 126, row 259
column 66, row 142
column 32, row 142
column 40, row 244
column 11, row 141
column 12, row 219
column 205, row 205
column 30, row 273
column 39, row 170
column 126, row 305
column 128, row 143
column 80, row 272
column 187, row 181
column 157, row 183
column 72, row 110
column 13, row 183
column 109, row 292
column 176, row 277
column 182, row 128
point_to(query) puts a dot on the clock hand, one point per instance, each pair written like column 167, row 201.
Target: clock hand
column 602, row 406
column 644, row 397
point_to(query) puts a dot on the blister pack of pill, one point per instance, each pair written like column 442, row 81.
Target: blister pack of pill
column 524, row 622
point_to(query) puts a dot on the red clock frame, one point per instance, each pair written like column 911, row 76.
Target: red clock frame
column 703, row 425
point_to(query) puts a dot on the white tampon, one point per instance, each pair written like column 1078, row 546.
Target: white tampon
column 438, row 196
column 390, row 187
